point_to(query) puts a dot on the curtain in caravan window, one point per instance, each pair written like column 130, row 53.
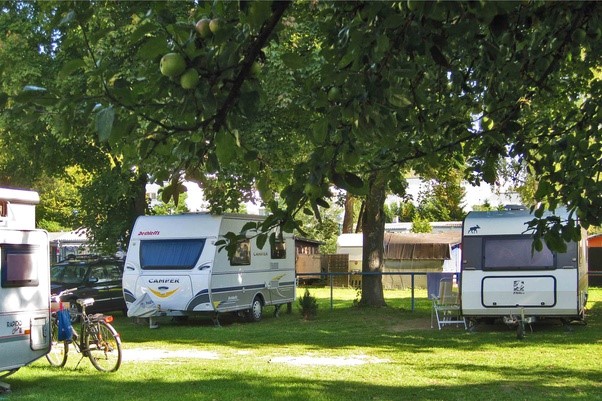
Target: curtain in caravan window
column 19, row 265
column 170, row 254
column 515, row 254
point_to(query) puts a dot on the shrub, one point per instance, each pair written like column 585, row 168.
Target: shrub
column 308, row 305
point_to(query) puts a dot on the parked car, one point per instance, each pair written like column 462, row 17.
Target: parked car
column 91, row 277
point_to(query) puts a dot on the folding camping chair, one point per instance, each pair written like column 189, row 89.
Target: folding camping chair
column 446, row 305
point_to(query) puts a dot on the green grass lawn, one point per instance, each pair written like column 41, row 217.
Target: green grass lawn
column 344, row 354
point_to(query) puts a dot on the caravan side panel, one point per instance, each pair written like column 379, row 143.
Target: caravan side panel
column 502, row 276
column 265, row 273
column 173, row 262
column 24, row 297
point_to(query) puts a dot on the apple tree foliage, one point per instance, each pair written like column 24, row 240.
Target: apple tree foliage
column 297, row 97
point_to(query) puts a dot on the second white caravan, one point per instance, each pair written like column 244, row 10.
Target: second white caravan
column 174, row 268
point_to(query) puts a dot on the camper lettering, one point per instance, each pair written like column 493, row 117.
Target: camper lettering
column 164, row 281
column 156, row 232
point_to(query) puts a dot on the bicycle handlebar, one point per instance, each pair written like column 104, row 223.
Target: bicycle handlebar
column 57, row 297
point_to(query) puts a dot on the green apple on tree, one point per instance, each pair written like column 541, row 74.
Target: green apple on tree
column 202, row 27
column 214, row 25
column 172, row 65
column 334, row 93
column 256, row 68
column 190, row 79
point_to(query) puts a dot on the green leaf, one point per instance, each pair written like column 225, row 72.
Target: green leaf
column 400, row 101
column 71, row 66
column 225, row 147
column 322, row 203
column 294, row 61
column 261, row 240
column 141, row 31
column 354, row 180
column 499, row 24
column 104, row 123
column 320, row 130
column 346, row 60
column 438, row 56
column 153, row 48
column 251, row 225
column 167, row 193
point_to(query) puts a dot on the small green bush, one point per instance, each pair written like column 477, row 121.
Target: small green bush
column 308, row 305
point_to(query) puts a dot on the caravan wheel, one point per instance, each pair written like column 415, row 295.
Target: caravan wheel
column 256, row 311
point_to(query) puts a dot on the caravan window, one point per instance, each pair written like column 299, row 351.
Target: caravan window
column 515, row 254
column 278, row 249
column 19, row 265
column 242, row 255
column 178, row 254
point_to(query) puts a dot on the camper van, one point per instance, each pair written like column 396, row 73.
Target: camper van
column 502, row 277
column 24, row 282
column 173, row 267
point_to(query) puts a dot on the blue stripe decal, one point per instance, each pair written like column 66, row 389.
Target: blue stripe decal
column 244, row 287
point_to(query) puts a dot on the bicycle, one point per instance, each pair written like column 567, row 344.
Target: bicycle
column 97, row 339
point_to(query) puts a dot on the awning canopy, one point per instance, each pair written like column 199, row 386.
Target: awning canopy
column 413, row 246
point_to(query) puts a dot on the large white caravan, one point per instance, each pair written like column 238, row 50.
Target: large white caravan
column 503, row 277
column 24, row 282
column 174, row 268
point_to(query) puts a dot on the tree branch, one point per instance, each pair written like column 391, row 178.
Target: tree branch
column 252, row 53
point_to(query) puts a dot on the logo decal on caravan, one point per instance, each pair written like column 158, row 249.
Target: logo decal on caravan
column 162, row 293
column 156, row 232
column 519, row 287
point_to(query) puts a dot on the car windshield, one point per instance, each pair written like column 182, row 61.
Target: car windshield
column 69, row 274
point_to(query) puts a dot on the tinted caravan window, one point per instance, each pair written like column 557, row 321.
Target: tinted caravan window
column 515, row 254
column 19, row 265
column 242, row 255
column 179, row 254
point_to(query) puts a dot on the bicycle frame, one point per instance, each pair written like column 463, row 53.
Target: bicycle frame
column 97, row 340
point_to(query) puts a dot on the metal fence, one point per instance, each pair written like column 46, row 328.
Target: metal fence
column 330, row 278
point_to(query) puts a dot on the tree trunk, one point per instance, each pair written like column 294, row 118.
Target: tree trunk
column 373, row 227
column 348, row 217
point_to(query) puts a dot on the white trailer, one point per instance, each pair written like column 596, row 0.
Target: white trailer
column 24, row 282
column 174, row 268
column 503, row 278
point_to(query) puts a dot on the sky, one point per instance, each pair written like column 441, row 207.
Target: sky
column 474, row 196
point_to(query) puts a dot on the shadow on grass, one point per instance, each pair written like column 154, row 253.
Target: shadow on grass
column 214, row 384
column 382, row 328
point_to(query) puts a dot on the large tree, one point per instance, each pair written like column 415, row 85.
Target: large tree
column 382, row 87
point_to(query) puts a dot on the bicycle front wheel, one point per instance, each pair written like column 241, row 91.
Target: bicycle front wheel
column 58, row 349
column 104, row 346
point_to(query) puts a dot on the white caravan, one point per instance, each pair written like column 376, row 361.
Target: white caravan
column 503, row 277
column 24, row 282
column 174, row 268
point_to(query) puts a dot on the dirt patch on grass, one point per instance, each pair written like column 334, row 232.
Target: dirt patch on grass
column 412, row 324
column 147, row 354
column 311, row 360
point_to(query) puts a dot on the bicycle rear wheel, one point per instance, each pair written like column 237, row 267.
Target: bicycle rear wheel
column 58, row 349
column 104, row 346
